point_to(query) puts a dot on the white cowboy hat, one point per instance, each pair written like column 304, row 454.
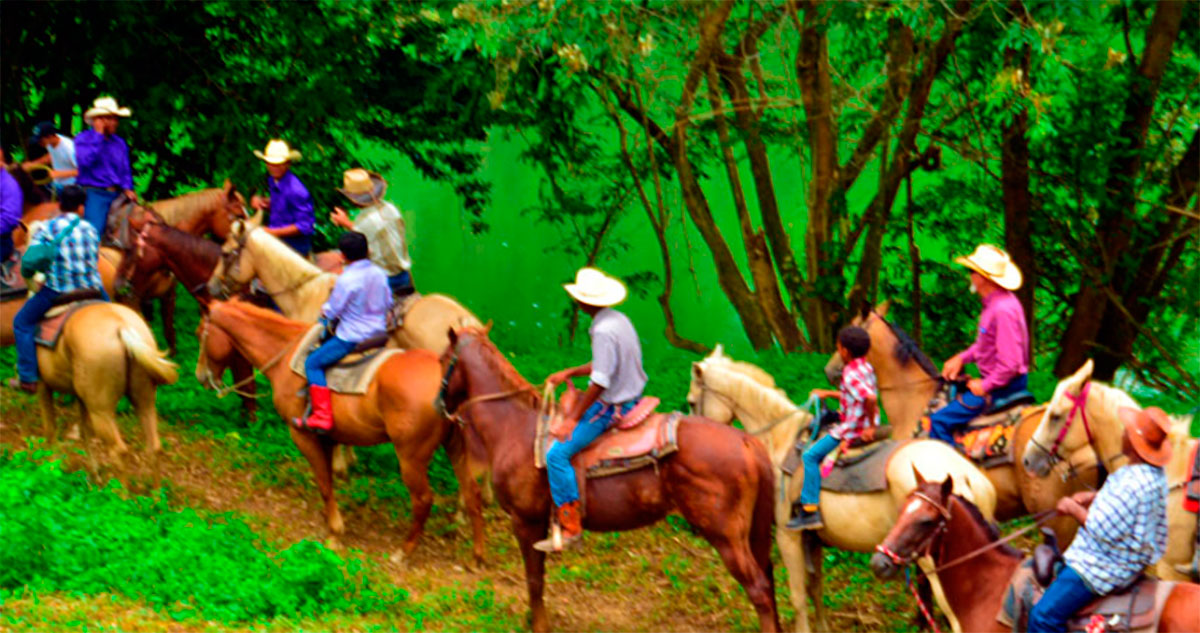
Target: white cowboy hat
column 595, row 288
column 362, row 187
column 277, row 152
column 105, row 106
column 992, row 262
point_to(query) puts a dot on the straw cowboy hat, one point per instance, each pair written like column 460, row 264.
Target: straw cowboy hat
column 363, row 187
column 992, row 262
column 105, row 106
column 277, row 152
column 1148, row 430
column 595, row 288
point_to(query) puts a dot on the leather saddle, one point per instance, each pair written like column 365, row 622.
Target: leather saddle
column 352, row 374
column 12, row 283
column 1135, row 607
column 61, row 309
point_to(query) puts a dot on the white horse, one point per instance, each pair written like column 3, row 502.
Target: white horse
column 723, row 389
column 1064, row 429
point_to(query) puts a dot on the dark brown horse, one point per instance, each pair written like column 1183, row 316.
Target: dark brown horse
column 720, row 479
column 398, row 407
column 950, row 528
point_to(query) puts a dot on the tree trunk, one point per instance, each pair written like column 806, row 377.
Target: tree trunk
column 1014, row 179
column 1117, row 216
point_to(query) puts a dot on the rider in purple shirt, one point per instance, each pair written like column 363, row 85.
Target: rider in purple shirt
column 103, row 161
column 11, row 201
column 359, row 304
column 1000, row 350
column 291, row 216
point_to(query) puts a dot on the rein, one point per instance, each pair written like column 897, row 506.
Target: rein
column 1078, row 405
column 705, row 389
column 220, row 388
column 456, row 415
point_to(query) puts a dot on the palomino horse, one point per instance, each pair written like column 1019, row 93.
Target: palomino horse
column 398, row 408
column 908, row 380
column 1066, row 427
column 720, row 478
column 105, row 351
column 723, row 389
column 300, row 288
column 951, row 530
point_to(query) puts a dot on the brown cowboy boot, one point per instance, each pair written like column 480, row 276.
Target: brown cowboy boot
column 566, row 533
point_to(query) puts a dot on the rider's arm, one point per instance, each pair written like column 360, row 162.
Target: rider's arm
column 563, row 375
column 1072, row 508
column 589, row 397
column 1011, row 344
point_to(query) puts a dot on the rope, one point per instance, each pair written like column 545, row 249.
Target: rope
column 222, row 390
column 920, row 603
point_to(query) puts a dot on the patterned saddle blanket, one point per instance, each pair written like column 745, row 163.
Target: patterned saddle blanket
column 988, row 439
column 12, row 284
column 1135, row 609
column 51, row 327
column 353, row 375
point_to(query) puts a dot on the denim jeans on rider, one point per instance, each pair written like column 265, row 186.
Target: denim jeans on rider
column 327, row 355
column 1066, row 595
column 95, row 210
column 563, row 487
column 960, row 411
column 401, row 284
column 810, row 494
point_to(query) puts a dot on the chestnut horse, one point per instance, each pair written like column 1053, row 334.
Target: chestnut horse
column 720, row 479
column 723, row 389
column 1063, row 430
column 949, row 528
column 398, row 408
column 908, row 380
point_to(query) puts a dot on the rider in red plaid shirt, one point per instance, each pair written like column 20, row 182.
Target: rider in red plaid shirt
column 859, row 411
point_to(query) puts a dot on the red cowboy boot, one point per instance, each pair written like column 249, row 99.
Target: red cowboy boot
column 566, row 533
column 321, row 419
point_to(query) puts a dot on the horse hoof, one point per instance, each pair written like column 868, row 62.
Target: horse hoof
column 334, row 543
column 73, row 432
column 399, row 559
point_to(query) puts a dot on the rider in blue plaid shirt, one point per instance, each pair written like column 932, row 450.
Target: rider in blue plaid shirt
column 1124, row 525
column 74, row 268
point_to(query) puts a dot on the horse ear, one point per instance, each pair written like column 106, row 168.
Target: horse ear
column 882, row 308
column 718, row 351
column 864, row 310
column 452, row 334
column 227, row 186
column 947, row 487
column 1085, row 372
column 697, row 370
column 917, row 474
column 487, row 327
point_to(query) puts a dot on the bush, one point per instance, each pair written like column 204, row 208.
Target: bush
column 63, row 534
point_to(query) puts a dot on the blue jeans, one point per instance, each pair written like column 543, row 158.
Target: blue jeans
column 327, row 355
column 810, row 493
column 95, row 210
column 401, row 283
column 25, row 329
column 300, row 243
column 1066, row 595
column 563, row 487
column 960, row 411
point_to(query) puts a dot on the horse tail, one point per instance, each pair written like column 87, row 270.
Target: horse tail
column 163, row 371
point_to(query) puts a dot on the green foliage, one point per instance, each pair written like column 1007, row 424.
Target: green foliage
column 64, row 534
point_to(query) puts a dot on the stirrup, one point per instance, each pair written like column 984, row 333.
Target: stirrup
column 555, row 543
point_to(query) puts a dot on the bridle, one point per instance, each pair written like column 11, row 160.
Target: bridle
column 457, row 414
column 925, row 546
column 1078, row 405
column 221, row 388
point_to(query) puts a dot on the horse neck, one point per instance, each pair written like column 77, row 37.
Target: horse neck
column 190, row 212
column 260, row 339
column 1102, row 407
column 980, row 580
column 506, row 426
column 904, row 388
column 191, row 258
column 760, row 406
column 282, row 271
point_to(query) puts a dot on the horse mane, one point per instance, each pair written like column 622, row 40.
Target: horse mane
column 279, row 256
column 749, row 370
column 190, row 245
column 744, row 389
column 496, row 361
column 1112, row 398
column 274, row 320
column 189, row 205
column 907, row 350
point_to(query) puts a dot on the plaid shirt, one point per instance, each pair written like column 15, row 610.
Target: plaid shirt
column 78, row 253
column 858, row 384
column 1126, row 529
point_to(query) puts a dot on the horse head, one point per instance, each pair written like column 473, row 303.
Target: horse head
column 924, row 517
column 866, row 319
column 235, row 269
column 233, row 211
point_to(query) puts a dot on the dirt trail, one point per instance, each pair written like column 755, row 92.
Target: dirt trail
column 654, row 579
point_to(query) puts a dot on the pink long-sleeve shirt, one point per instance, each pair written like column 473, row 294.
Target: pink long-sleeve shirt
column 1001, row 350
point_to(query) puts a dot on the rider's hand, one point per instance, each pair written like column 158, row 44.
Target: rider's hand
column 976, row 387
column 953, row 367
column 1084, row 498
column 259, row 203
column 557, row 378
column 1066, row 506
column 131, row 194
column 340, row 218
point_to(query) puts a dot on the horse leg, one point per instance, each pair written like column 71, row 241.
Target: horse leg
column 50, row 426
column 141, row 394
column 739, row 559
column 343, row 459
column 527, row 534
column 242, row 370
column 415, row 473
column 86, row 435
column 318, row 451
column 792, row 554
column 468, row 487
column 815, row 555
column 100, row 405
column 167, row 305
